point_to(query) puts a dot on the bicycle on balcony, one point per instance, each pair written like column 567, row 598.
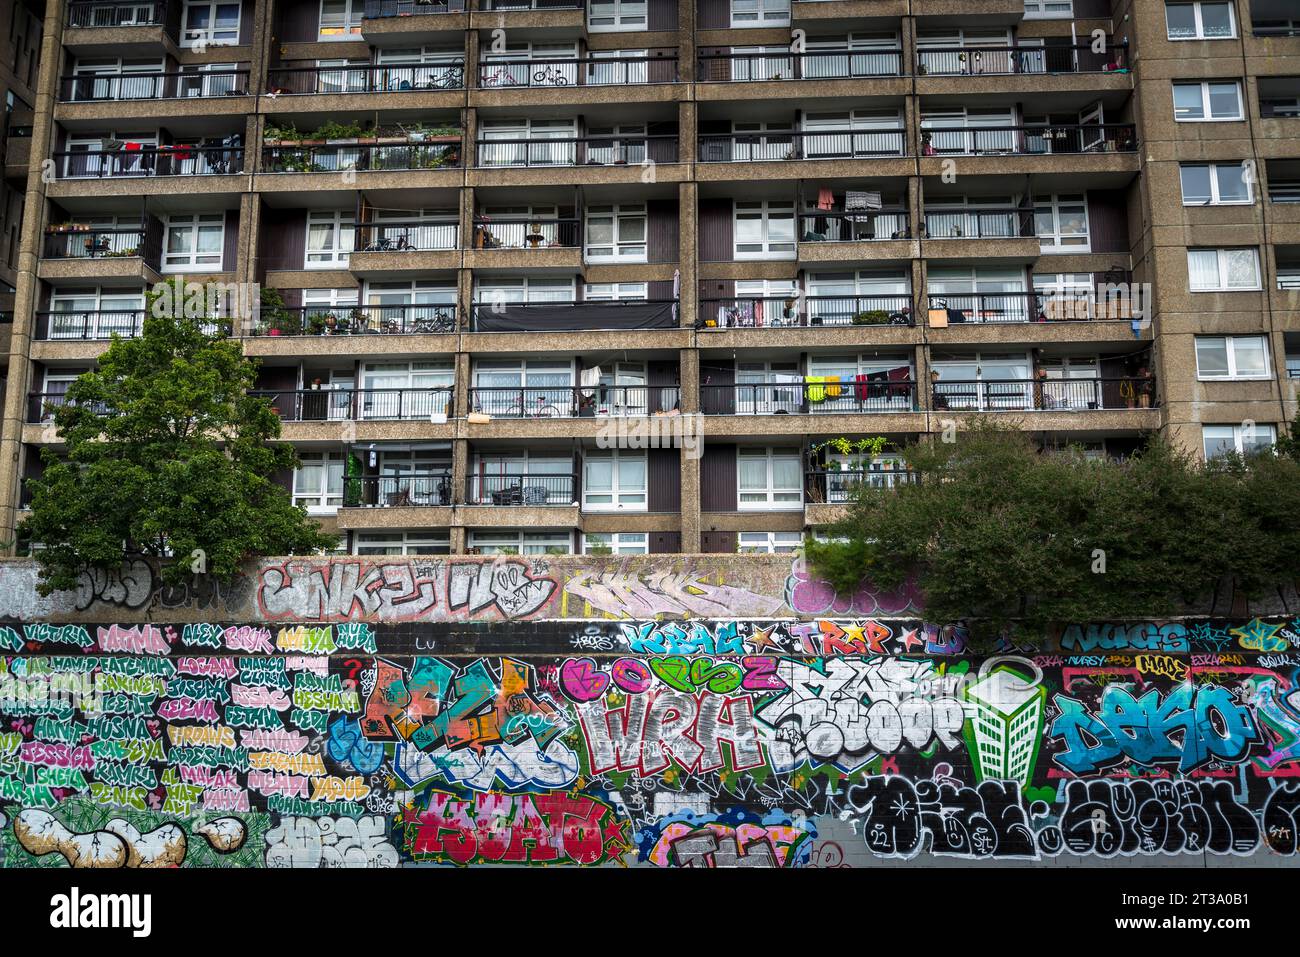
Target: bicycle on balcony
column 535, row 408
column 552, row 76
column 388, row 244
column 439, row 322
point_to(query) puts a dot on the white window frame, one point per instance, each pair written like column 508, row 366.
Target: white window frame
column 617, row 250
column 1206, row 116
column 1230, row 346
column 193, row 259
column 615, row 292
column 349, row 27
column 768, row 543
column 618, row 16
column 341, row 243
column 764, row 13
column 773, row 497
column 1222, row 270
column 413, row 542
column 102, row 327
column 765, row 213
column 1235, row 434
column 1216, row 198
column 509, row 541
column 1053, row 241
column 211, row 35
column 327, row 497
column 616, row 498
column 426, row 389
column 1044, row 9
column 1200, row 33
column 618, row 543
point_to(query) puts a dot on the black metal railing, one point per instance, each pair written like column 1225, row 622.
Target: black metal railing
column 150, row 161
column 799, row 145
column 119, row 242
column 323, row 405
column 116, row 13
column 868, row 225
column 775, row 312
column 397, row 491
column 974, row 223
column 418, row 319
column 818, row 65
column 616, row 150
column 153, row 86
column 984, row 307
column 811, row 395
column 837, row 487
column 506, row 5
column 93, row 324
column 568, row 402
column 527, row 233
column 521, row 489
column 1052, row 395
column 360, row 156
column 1032, row 140
column 375, row 9
column 41, row 406
column 649, row 313
column 652, row 67
column 1277, row 30
column 1003, row 60
column 369, row 78
column 406, row 235
column 1283, row 107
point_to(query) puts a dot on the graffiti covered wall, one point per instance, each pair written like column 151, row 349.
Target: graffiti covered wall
column 755, row 738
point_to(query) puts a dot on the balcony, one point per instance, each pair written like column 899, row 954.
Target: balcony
column 398, row 491
column 71, row 251
column 1279, row 97
column 378, row 9
column 1042, row 395
column 442, row 153
column 840, row 487
column 777, row 145
column 655, row 66
column 522, row 489
column 1028, row 140
column 41, row 406
column 381, row 78
column 393, row 247
column 753, row 312
column 1010, row 307
column 360, row 405
column 118, row 87
column 499, row 6
column 527, row 233
column 162, row 161
column 1019, row 61
column 823, row 65
column 621, row 150
column 811, row 396
column 93, row 325
column 614, row 315
column 102, row 14
column 568, row 402
column 399, row 320
column 978, row 223
column 868, row 226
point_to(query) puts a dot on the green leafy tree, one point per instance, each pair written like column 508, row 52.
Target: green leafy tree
column 1013, row 540
column 166, row 455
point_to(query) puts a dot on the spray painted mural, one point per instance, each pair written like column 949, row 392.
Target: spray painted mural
column 709, row 742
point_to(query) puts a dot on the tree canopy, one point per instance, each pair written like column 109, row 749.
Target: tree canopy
column 165, row 455
column 1014, row 540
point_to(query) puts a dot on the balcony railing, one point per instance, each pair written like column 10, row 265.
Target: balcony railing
column 619, row 314
column 811, row 395
column 1033, row 140
column 799, row 145
column 377, row 78
column 419, row 319
column 341, row 405
column 522, row 489
column 41, row 406
column 144, row 242
column 406, row 235
column 1046, row 395
column 568, row 402
column 506, row 5
column 527, row 233
column 659, row 67
column 376, row 9
column 1284, row 107
column 776, row 312
column 971, row 223
column 150, row 161
column 1277, row 30
column 839, row 487
column 95, row 324
column 360, row 156
column 398, row 491
column 1031, row 306
column 866, row 226
column 116, row 13
column 1002, row 60
column 153, row 86
column 623, row 149
column 820, row 65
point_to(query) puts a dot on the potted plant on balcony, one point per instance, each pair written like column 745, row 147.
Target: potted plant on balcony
column 318, row 323
column 339, row 134
column 871, row 317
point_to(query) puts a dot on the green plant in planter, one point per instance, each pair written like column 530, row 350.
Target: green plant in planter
column 601, row 549
column 318, row 323
column 338, row 131
column 871, row 317
column 286, row 133
column 274, row 314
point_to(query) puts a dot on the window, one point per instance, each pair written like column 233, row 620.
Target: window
column 769, row 543
column 1215, row 184
column 329, row 239
column 1207, row 102
column 521, row 477
column 340, row 19
column 1223, row 270
column 95, row 313
column 406, row 390
column 613, row 15
column 769, row 478
column 525, row 289
column 764, row 230
column 194, row 243
column 615, row 543
column 614, row 292
column 1203, row 20
column 403, row 543
column 1049, row 9
column 1244, row 440
column 755, row 13
column 210, row 22
column 614, row 480
column 1232, row 357
column 524, row 142
column 318, row 481
column 615, row 72
column 508, row 542
column 1061, row 223
column 616, row 233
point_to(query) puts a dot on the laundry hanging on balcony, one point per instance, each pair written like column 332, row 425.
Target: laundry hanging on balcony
column 854, row 200
column 825, row 198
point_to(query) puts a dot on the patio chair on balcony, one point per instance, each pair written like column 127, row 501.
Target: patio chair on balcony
column 534, row 495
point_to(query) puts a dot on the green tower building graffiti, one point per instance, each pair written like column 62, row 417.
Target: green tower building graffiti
column 1004, row 729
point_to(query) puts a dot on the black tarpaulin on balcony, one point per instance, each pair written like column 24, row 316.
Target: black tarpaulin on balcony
column 564, row 317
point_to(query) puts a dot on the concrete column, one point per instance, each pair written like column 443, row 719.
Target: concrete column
column 690, row 465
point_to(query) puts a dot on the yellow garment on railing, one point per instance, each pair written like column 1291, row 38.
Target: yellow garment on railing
column 816, row 391
column 833, row 387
